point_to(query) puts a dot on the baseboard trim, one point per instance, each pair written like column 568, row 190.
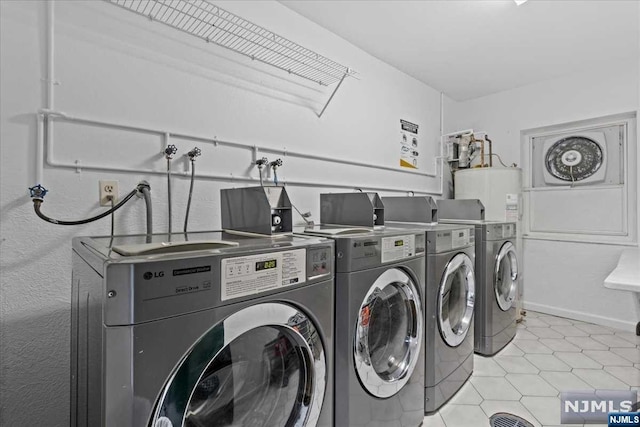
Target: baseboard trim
column 579, row 315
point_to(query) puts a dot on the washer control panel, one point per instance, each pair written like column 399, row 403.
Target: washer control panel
column 501, row 231
column 363, row 252
column 447, row 240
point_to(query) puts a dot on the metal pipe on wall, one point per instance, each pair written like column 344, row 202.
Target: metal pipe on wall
column 39, row 148
column 49, row 82
column 52, row 115
column 214, row 140
column 441, row 191
column 237, row 178
column 50, row 55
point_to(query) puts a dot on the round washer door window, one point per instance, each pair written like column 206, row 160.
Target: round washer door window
column 263, row 366
column 456, row 299
column 388, row 333
column 506, row 276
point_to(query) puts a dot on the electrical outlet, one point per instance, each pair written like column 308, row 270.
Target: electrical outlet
column 108, row 189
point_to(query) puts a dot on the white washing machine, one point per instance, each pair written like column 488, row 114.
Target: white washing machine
column 217, row 331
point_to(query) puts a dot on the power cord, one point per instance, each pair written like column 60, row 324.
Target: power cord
column 38, row 193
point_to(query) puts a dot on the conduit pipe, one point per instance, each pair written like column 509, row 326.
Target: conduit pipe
column 234, row 178
column 49, row 81
column 486, row 137
column 215, row 141
column 441, row 156
column 50, row 55
column 50, row 115
column 39, row 148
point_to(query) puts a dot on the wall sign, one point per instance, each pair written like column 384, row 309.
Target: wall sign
column 408, row 144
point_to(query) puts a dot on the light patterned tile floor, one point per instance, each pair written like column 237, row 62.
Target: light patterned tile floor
column 549, row 355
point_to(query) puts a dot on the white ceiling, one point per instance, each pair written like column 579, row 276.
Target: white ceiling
column 473, row 48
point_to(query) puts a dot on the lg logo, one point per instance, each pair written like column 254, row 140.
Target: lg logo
column 149, row 275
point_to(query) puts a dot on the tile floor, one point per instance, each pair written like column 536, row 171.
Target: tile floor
column 549, row 354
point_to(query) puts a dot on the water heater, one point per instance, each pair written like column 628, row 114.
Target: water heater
column 497, row 188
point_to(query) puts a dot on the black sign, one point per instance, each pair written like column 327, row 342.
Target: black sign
column 408, row 126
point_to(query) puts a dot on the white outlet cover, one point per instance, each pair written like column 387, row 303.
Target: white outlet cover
column 108, row 188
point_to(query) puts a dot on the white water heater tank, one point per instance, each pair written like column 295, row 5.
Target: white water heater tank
column 499, row 190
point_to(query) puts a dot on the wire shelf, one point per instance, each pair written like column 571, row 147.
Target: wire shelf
column 216, row 25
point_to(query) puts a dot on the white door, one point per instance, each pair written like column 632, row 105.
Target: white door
column 456, row 298
column 388, row 333
column 263, row 366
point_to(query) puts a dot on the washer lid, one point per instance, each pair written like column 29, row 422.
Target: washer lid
column 574, row 158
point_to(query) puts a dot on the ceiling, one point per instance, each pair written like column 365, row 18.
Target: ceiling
column 471, row 48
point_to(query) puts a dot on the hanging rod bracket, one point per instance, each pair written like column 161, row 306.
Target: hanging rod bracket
column 334, row 92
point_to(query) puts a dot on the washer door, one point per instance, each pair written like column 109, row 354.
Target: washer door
column 388, row 333
column 456, row 298
column 506, row 276
column 263, row 366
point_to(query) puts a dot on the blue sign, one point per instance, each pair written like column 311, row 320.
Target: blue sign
column 624, row 419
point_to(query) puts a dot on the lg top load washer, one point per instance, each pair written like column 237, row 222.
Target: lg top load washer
column 379, row 361
column 217, row 331
column 496, row 272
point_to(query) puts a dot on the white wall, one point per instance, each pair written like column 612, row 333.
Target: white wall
column 116, row 66
column 561, row 277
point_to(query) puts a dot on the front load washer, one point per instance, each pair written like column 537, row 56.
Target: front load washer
column 450, row 296
column 218, row 330
column 379, row 360
column 450, row 299
column 496, row 273
column 496, row 305
column 496, row 268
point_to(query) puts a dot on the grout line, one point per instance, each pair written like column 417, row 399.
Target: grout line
column 581, row 350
